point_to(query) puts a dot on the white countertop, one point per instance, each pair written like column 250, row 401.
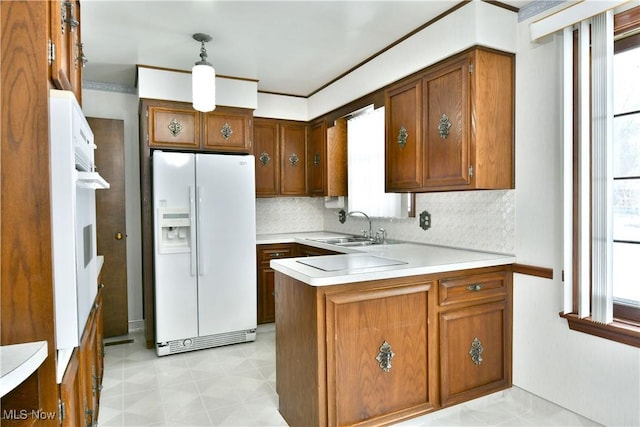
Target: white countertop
column 18, row 362
column 407, row 259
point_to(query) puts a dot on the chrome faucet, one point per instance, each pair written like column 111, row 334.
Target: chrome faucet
column 369, row 235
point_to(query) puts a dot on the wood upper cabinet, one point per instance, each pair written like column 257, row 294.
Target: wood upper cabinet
column 327, row 158
column 293, row 159
column 227, row 129
column 267, row 152
column 281, row 157
column 176, row 125
column 317, row 159
column 452, row 126
column 475, row 335
column 403, row 149
column 66, row 50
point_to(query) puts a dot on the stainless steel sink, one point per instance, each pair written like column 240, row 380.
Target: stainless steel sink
column 352, row 241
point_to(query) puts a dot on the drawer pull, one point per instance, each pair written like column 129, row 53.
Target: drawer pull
column 275, row 254
column 475, row 287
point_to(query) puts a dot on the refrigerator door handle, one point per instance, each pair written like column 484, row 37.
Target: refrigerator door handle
column 199, row 195
column 192, row 228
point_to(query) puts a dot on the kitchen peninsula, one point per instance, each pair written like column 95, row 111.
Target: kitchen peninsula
column 387, row 332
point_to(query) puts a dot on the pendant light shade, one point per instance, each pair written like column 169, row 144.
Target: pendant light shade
column 203, row 79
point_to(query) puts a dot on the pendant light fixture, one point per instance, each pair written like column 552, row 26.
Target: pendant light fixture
column 203, row 79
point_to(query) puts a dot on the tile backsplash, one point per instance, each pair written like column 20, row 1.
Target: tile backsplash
column 481, row 220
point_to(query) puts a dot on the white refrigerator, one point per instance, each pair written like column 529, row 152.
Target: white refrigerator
column 204, row 250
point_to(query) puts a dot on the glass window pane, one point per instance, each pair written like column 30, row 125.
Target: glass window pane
column 626, row 84
column 626, row 210
column 626, row 145
column 626, row 280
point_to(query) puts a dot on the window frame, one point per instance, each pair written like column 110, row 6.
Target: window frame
column 625, row 327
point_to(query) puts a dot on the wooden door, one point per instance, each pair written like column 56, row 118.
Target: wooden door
column 447, row 125
column 173, row 125
column 317, row 159
column 378, row 356
column 267, row 152
column 403, row 146
column 293, row 164
column 111, row 230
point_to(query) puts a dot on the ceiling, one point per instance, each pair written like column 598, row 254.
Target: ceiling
column 289, row 47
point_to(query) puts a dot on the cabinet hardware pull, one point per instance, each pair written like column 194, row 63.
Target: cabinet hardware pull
column 293, row 159
column 476, row 351
column 264, row 158
column 444, row 126
column 175, row 127
column 316, row 159
column 475, row 287
column 226, row 131
column 385, row 354
column 275, row 254
column 402, row 136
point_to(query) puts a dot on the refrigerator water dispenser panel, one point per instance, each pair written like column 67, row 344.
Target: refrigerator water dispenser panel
column 175, row 230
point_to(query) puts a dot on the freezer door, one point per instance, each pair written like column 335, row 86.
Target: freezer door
column 175, row 280
column 225, row 188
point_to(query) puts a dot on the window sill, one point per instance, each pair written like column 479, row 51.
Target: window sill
column 619, row 331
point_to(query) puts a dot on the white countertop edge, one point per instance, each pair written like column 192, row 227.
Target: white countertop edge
column 18, row 362
column 315, row 277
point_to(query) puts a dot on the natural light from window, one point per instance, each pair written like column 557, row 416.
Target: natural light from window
column 626, row 185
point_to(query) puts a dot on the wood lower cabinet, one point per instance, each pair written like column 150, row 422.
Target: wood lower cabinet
column 378, row 346
column 266, row 280
column 82, row 381
column 378, row 352
column 475, row 335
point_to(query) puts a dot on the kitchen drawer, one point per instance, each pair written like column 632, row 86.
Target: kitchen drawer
column 268, row 252
column 472, row 288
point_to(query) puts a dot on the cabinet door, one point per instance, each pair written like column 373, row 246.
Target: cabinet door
column 446, row 156
column 475, row 355
column 227, row 130
column 175, row 126
column 293, row 179
column 67, row 56
column 403, row 149
column 71, row 393
column 317, row 159
column 378, row 354
column 267, row 152
column 266, row 279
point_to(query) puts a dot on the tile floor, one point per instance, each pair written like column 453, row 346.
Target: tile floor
column 235, row 386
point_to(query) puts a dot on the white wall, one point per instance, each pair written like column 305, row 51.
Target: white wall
column 595, row 377
column 122, row 106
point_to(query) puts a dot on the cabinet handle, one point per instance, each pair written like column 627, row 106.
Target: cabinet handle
column 316, row 159
column 402, row 136
column 226, row 131
column 444, row 126
column 175, row 127
column 476, row 351
column 264, row 158
column 475, row 287
column 385, row 354
column 275, row 254
column 293, row 159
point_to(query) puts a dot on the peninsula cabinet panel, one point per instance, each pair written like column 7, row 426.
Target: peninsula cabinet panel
column 404, row 147
column 475, row 352
column 378, row 354
column 293, row 155
column 228, row 130
column 267, row 152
